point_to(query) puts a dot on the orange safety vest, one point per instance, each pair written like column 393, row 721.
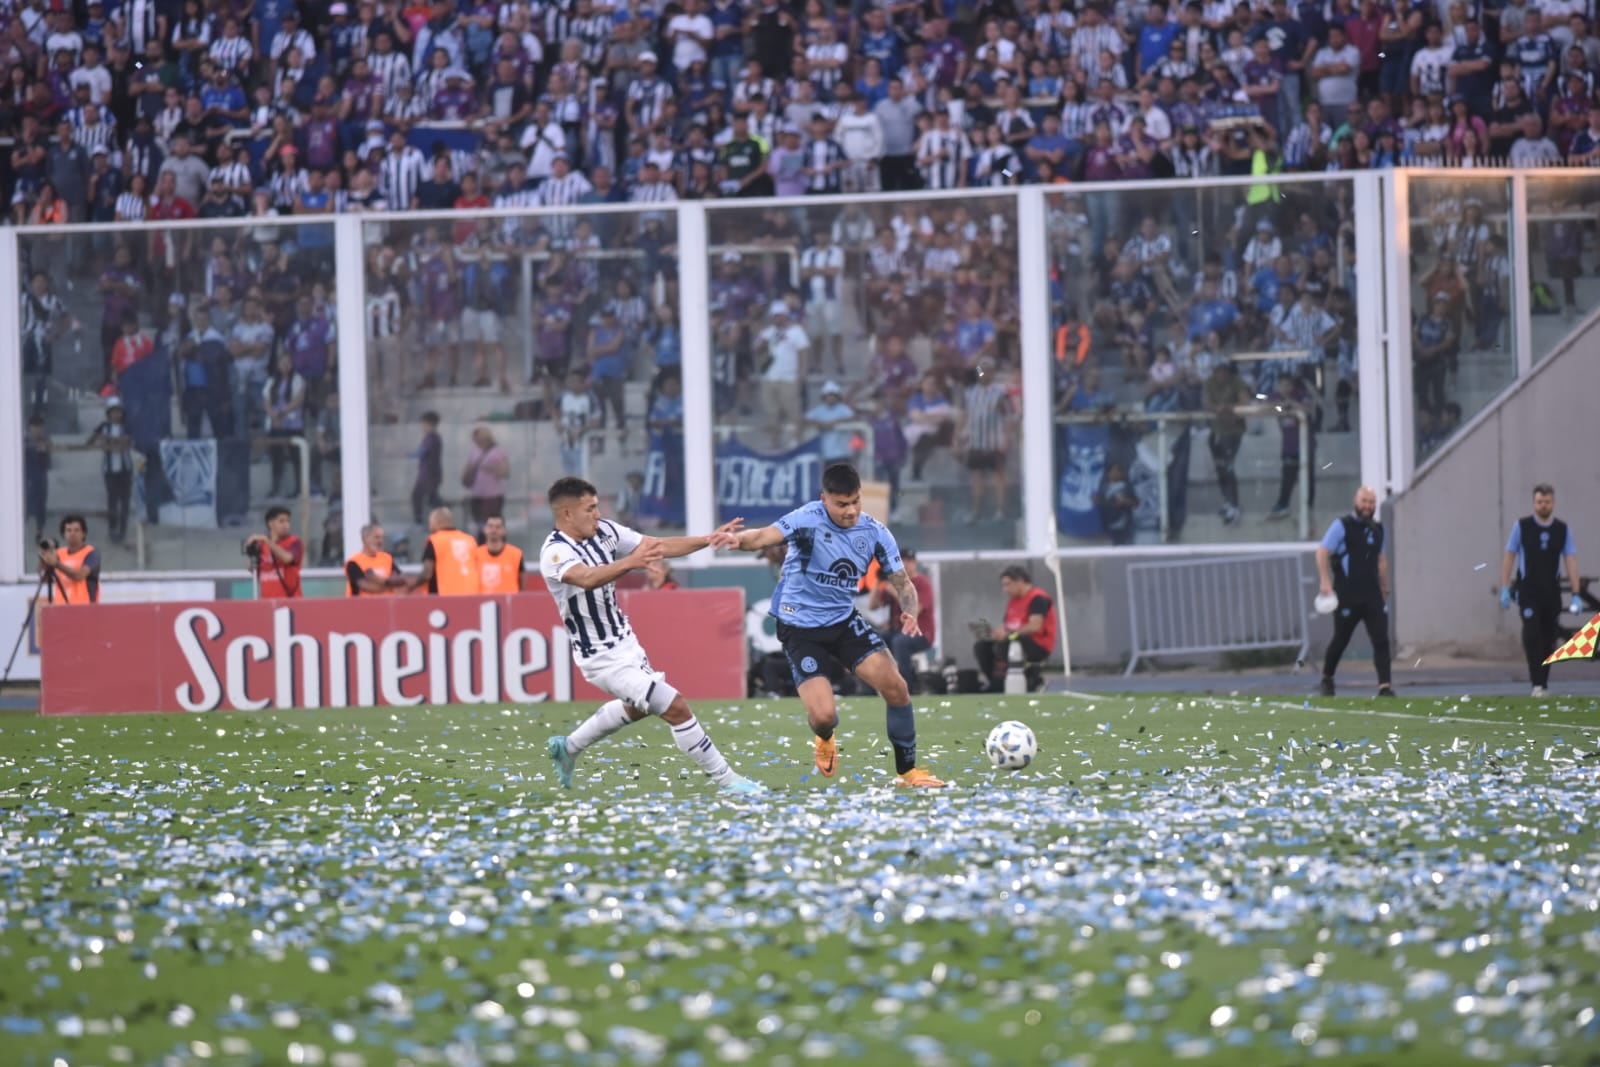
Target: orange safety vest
column 455, row 563
column 76, row 590
column 1073, row 340
column 373, row 564
column 869, row 581
column 499, row 573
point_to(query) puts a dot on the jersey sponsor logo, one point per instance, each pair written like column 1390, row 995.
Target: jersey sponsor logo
column 841, row 574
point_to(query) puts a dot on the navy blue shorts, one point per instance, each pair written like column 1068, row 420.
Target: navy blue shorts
column 847, row 643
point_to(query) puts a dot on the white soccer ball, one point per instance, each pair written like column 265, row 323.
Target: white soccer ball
column 1011, row 746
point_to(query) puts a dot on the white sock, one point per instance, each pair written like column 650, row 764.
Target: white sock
column 698, row 746
column 607, row 720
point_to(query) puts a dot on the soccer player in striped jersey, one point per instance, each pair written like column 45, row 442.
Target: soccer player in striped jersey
column 581, row 561
column 831, row 542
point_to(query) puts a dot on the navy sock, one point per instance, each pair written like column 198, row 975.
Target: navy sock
column 902, row 737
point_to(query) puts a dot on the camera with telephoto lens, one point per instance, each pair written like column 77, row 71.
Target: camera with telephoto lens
column 47, row 545
column 252, row 549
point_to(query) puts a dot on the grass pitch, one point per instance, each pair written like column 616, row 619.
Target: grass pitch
column 1238, row 881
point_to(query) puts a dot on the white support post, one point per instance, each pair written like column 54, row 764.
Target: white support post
column 1371, row 217
column 355, row 472
column 1038, row 430
column 1397, row 341
column 694, row 318
column 1521, row 276
column 13, row 536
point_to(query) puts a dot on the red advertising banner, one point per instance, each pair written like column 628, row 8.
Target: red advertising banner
column 245, row 655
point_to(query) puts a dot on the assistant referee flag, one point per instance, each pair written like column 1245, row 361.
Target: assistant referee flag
column 1582, row 646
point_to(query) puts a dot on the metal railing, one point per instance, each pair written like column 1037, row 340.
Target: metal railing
column 1213, row 606
column 1119, row 417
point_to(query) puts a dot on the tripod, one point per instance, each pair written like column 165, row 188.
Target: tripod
column 47, row 576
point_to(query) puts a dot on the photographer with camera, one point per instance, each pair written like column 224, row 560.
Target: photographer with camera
column 73, row 566
column 275, row 557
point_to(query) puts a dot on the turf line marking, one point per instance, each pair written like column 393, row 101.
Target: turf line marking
column 1240, row 702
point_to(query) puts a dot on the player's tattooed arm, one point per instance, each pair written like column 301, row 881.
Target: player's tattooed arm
column 907, row 592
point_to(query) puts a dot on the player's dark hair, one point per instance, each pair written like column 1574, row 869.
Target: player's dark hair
column 1544, row 489
column 430, row 418
column 841, row 479
column 275, row 511
column 570, row 489
column 1017, row 573
column 68, row 520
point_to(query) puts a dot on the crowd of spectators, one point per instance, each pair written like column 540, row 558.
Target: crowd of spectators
column 1207, row 302
column 887, row 332
column 216, row 109
column 170, row 109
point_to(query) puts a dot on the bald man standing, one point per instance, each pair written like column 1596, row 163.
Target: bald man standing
column 450, row 560
column 1351, row 563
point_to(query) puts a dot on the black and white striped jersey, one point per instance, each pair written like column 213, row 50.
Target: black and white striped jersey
column 592, row 616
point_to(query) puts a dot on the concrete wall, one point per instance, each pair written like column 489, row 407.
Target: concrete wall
column 1458, row 511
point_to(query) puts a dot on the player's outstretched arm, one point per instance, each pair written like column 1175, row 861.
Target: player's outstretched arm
column 723, row 536
column 648, row 551
column 756, row 540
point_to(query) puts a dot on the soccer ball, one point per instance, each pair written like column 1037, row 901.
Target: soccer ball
column 1011, row 746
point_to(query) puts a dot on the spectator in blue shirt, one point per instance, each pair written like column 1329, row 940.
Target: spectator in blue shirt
column 1155, row 36
column 1211, row 312
column 1049, row 146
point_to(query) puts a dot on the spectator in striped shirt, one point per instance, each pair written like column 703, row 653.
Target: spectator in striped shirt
column 984, row 437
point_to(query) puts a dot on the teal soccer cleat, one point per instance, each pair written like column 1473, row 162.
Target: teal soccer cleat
column 564, row 760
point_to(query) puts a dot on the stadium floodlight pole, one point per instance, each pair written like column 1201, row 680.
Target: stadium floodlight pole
column 1052, row 562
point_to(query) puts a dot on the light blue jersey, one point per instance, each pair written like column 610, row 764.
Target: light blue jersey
column 822, row 572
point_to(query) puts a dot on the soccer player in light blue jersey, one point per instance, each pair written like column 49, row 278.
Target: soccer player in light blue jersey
column 831, row 544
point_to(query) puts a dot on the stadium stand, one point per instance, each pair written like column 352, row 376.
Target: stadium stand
column 276, row 113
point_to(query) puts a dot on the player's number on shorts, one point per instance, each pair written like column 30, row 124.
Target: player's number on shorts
column 860, row 626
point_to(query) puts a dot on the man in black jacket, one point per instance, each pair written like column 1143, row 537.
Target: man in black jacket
column 1351, row 563
column 1537, row 546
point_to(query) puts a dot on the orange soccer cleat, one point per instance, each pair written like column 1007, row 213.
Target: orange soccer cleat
column 827, row 756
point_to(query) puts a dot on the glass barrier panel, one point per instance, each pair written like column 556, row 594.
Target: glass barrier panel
column 1226, row 314
column 177, row 382
column 1462, row 304
column 505, row 352
column 884, row 334
column 1561, row 209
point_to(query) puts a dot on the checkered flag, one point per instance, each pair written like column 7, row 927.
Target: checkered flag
column 1582, row 645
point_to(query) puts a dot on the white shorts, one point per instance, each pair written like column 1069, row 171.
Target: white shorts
column 625, row 673
column 480, row 327
column 823, row 319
